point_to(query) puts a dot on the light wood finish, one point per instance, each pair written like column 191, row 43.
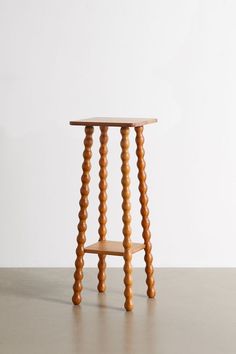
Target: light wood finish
column 112, row 248
column 114, row 122
column 102, row 231
column 145, row 212
column 105, row 247
column 125, row 169
column 82, row 226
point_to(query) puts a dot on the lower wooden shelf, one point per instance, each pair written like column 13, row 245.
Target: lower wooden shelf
column 113, row 248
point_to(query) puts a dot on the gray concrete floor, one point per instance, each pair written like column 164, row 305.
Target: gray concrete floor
column 194, row 313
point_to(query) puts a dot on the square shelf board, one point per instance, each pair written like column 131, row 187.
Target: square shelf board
column 113, row 248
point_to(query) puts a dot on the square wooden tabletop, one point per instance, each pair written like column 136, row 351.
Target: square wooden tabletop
column 114, row 122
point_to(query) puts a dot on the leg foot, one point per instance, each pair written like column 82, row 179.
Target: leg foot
column 102, row 274
column 76, row 299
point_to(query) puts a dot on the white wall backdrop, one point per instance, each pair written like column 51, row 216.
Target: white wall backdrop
column 63, row 59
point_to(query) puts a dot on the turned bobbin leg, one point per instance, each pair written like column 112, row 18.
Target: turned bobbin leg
column 145, row 212
column 102, row 207
column 82, row 226
column 126, row 219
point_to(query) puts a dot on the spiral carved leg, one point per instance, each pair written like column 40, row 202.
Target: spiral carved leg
column 102, row 207
column 125, row 168
column 145, row 212
column 82, row 226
